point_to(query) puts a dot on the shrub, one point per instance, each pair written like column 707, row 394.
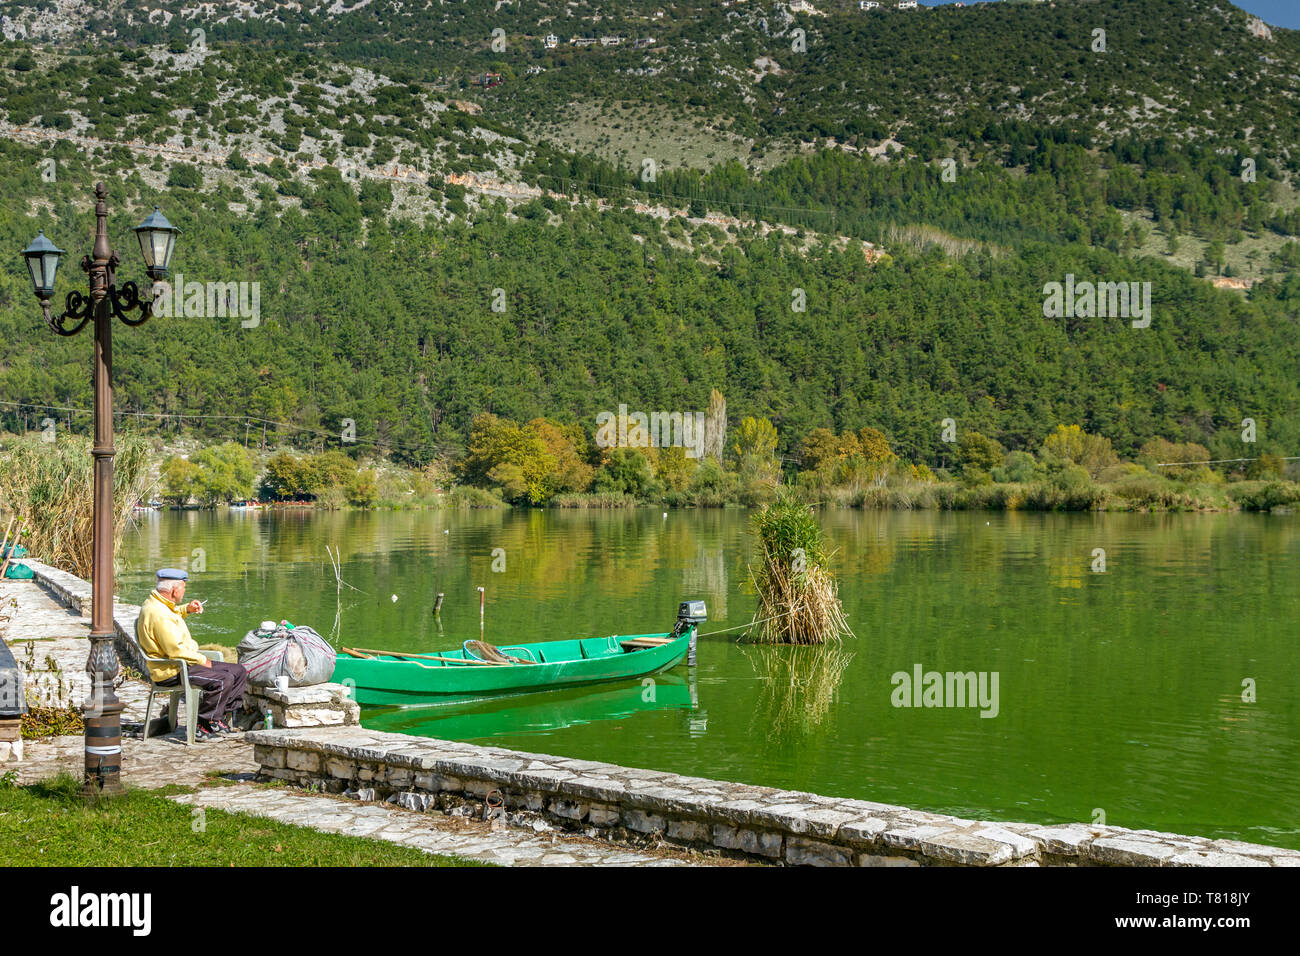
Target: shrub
column 711, row 484
column 1149, row 491
column 1018, row 467
column 626, row 472
column 185, row 176
column 978, row 455
column 1069, row 489
column 363, row 489
column 1255, row 496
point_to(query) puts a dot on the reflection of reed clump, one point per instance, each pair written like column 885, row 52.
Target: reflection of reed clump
column 798, row 686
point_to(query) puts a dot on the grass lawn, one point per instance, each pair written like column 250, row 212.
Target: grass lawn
column 48, row 824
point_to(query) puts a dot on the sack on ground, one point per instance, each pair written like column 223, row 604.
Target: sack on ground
column 299, row 654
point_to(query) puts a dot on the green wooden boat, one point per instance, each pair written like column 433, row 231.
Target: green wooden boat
column 538, row 714
column 477, row 669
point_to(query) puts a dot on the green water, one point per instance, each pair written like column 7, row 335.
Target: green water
column 1119, row 692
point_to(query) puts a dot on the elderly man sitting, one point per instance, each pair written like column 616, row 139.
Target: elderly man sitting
column 162, row 632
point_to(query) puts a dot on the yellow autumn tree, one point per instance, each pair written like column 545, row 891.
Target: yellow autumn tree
column 1070, row 443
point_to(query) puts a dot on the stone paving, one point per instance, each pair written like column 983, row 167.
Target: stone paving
column 160, row 761
column 50, row 643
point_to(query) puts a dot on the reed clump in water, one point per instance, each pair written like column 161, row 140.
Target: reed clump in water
column 798, row 598
column 51, row 486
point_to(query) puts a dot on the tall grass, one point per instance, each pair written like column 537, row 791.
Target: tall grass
column 596, row 499
column 798, row 600
column 49, row 486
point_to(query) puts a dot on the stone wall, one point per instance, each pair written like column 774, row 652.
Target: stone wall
column 75, row 593
column 317, row 705
column 11, row 740
column 622, row 804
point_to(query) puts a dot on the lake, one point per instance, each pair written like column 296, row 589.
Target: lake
column 1159, row 692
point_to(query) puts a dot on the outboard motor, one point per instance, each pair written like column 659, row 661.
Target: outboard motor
column 690, row 614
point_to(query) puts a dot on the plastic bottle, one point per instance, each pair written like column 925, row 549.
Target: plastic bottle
column 268, row 718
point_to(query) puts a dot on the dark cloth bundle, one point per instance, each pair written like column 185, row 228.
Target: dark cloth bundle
column 298, row 653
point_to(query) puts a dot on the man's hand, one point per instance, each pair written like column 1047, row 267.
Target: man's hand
column 194, row 607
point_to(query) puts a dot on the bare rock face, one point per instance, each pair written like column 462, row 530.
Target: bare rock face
column 1258, row 28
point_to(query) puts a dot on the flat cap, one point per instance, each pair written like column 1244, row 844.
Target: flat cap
column 172, row 574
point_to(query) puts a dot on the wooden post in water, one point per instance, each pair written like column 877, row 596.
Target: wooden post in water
column 437, row 604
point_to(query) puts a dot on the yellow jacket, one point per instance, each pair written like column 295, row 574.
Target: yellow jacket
column 162, row 632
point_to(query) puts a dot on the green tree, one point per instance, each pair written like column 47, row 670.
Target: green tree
column 180, row 479
column 978, row 455
column 1214, row 255
column 820, row 449
column 226, row 474
column 628, row 472
column 363, row 489
column 286, row 477
column 329, row 469
column 1070, row 443
column 512, row 459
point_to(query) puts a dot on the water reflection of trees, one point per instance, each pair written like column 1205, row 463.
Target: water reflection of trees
column 798, row 687
column 603, row 572
column 706, row 576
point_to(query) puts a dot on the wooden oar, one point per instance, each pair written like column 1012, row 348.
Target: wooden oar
column 367, row 654
column 449, row 660
column 4, row 545
column 12, row 548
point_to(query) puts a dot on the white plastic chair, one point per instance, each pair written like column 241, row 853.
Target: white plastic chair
column 192, row 694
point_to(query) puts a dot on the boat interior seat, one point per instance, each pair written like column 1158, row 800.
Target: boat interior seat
column 559, row 651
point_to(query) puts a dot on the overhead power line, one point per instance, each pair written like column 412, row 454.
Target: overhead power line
column 244, row 419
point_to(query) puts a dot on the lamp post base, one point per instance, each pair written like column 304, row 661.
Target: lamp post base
column 102, row 715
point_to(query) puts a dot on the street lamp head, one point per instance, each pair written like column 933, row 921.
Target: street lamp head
column 42, row 262
column 157, row 241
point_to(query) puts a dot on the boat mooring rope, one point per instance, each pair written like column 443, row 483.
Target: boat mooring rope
column 747, row 626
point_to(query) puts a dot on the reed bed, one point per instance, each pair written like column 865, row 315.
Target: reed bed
column 798, row 597
column 49, row 487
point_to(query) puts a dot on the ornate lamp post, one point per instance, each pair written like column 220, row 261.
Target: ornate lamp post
column 157, row 240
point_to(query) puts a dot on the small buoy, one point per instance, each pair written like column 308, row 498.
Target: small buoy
column 665, row 514
column 446, row 531
column 394, row 598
